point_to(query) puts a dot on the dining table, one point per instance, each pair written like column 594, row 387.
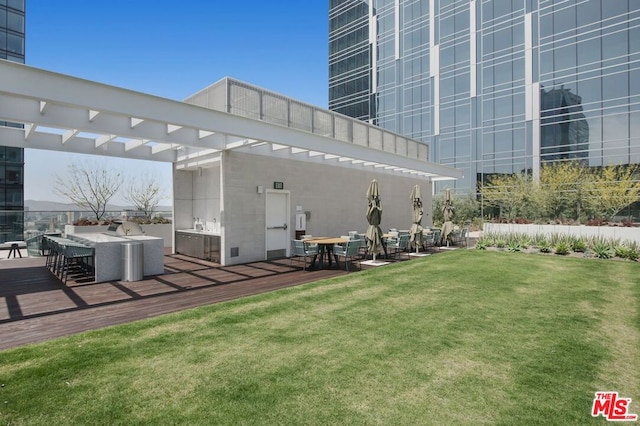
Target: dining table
column 325, row 249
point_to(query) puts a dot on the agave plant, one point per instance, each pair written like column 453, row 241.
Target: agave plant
column 578, row 245
column 562, row 248
column 513, row 247
column 544, row 246
column 602, row 250
column 481, row 244
column 621, row 252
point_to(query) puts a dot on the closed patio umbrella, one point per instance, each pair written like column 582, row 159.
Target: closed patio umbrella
column 416, row 216
column 374, row 216
column 447, row 213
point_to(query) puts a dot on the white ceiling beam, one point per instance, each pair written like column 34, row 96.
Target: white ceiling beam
column 14, row 137
column 43, row 107
column 172, row 128
column 69, row 134
column 28, row 129
column 135, row 121
column 161, row 147
column 93, row 114
column 134, row 143
column 101, row 140
column 204, row 134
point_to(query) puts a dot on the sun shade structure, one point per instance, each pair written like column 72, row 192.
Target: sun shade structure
column 374, row 217
column 64, row 113
column 416, row 216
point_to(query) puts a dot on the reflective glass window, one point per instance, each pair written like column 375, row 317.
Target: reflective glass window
column 588, row 12
column 614, row 45
column 589, row 51
column 15, row 44
column 590, row 90
column 615, row 86
column 564, row 57
column 564, row 20
column 614, row 8
column 15, row 22
column 16, row 4
column 634, row 82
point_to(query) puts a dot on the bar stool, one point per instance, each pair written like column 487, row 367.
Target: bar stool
column 15, row 248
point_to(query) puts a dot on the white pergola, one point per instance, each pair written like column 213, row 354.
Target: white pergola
column 64, row 113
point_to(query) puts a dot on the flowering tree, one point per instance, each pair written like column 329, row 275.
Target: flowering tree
column 613, row 188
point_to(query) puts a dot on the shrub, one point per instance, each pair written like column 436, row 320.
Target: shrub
column 562, row 248
column 501, row 243
column 621, row 252
column 603, row 250
column 633, row 254
column 595, row 222
column 578, row 245
column 481, row 244
column 544, row 246
column 513, row 247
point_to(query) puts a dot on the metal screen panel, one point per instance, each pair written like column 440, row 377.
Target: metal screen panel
column 401, row 146
column 342, row 127
column 412, row 149
column 244, row 101
column 360, row 134
column 322, row 123
column 301, row 117
column 375, row 138
column 275, row 109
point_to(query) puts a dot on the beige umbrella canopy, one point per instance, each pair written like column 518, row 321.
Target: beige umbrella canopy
column 416, row 216
column 447, row 213
column 374, row 217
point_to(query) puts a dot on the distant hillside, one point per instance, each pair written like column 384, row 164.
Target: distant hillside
column 34, row 205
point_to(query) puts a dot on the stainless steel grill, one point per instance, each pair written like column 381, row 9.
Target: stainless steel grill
column 125, row 227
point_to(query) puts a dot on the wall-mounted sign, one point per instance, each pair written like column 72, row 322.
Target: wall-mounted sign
column 278, row 185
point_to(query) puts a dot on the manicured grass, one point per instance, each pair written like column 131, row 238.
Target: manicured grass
column 466, row 337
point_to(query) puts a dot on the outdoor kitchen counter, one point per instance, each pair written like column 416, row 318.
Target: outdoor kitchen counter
column 108, row 253
column 199, row 244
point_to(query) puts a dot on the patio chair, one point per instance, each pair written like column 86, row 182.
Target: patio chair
column 350, row 250
column 300, row 248
column 77, row 258
column 399, row 245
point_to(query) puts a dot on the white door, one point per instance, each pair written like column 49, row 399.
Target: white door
column 278, row 227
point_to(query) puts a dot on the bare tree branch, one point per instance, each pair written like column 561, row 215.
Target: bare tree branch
column 89, row 186
column 145, row 193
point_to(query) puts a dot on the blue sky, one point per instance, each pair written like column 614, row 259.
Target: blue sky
column 173, row 49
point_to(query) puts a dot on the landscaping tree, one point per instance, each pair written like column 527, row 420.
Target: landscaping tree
column 510, row 193
column 612, row 188
column 561, row 191
column 89, row 186
column 145, row 194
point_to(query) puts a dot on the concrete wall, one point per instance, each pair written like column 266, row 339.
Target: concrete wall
column 607, row 232
column 160, row 230
column 197, row 194
column 335, row 198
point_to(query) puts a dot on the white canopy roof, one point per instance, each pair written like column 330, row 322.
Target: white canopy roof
column 64, row 113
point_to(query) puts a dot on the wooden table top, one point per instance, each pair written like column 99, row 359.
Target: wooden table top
column 327, row 240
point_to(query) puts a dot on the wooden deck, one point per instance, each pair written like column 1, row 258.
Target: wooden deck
column 35, row 306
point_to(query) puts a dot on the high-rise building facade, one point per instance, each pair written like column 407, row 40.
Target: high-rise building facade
column 493, row 86
column 12, row 48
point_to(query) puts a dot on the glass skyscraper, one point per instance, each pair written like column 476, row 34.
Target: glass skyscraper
column 12, row 31
column 493, row 86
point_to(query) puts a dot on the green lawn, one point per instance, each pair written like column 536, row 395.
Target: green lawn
column 464, row 337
